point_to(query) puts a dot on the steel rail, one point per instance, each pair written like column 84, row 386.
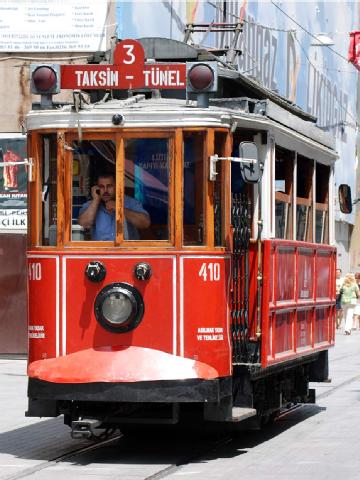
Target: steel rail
column 66, row 456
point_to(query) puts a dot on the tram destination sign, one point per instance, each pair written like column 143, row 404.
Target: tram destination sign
column 128, row 71
column 157, row 75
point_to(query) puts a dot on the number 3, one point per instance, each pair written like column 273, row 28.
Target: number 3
column 129, row 53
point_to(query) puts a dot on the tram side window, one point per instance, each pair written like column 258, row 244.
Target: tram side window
column 284, row 167
column 322, row 204
column 193, row 189
column 48, row 193
column 304, row 199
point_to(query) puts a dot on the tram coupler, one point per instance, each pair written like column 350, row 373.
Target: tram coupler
column 84, row 428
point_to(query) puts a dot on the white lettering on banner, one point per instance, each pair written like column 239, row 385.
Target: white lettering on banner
column 154, row 77
column 118, row 76
column 36, row 331
column 208, row 334
column 94, row 78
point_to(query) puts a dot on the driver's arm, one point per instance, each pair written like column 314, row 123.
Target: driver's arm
column 87, row 217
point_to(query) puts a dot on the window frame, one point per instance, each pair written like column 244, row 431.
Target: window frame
column 64, row 139
column 287, row 197
column 119, row 138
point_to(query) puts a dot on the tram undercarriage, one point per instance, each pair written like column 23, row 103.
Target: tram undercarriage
column 251, row 393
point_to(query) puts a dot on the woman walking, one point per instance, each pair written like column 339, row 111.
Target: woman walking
column 356, row 319
column 349, row 295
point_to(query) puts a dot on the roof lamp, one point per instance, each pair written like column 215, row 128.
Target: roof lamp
column 201, row 77
column 44, row 79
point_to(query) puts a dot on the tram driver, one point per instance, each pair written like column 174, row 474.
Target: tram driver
column 98, row 214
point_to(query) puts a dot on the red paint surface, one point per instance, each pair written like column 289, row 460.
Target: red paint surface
column 303, row 328
column 298, row 299
column 206, row 311
column 187, row 314
column 155, row 330
column 42, row 308
column 174, row 313
column 119, row 364
column 170, row 76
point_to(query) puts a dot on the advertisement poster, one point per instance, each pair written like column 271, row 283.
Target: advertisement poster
column 13, row 185
column 52, row 26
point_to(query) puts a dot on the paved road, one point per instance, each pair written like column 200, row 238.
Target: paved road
column 313, row 442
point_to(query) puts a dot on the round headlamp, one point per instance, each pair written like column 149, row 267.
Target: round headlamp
column 119, row 307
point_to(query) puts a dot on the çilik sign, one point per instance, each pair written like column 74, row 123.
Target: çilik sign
column 127, row 72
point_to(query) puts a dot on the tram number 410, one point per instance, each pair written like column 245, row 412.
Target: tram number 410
column 210, row 272
column 34, row 271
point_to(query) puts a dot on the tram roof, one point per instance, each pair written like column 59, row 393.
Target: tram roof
column 139, row 112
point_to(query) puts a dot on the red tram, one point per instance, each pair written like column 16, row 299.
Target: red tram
column 223, row 305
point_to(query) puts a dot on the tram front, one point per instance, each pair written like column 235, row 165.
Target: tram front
column 128, row 262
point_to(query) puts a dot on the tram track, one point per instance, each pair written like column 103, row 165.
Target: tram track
column 201, row 451
column 188, row 459
column 194, row 455
column 216, row 445
column 64, row 457
column 184, row 460
column 338, row 387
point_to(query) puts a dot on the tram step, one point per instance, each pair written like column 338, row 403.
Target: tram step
column 242, row 413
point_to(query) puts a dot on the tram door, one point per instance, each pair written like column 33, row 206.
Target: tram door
column 242, row 196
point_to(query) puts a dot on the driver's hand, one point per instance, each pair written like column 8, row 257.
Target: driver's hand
column 95, row 193
column 110, row 205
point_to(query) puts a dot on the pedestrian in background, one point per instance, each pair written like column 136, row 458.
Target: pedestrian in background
column 349, row 295
column 356, row 319
column 339, row 311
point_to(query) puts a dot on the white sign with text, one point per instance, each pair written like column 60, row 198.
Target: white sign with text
column 52, row 26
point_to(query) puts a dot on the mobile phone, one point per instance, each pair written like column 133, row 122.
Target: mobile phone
column 97, row 191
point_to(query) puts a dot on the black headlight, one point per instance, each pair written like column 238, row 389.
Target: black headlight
column 119, row 307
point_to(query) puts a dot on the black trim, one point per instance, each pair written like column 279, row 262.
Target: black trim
column 165, row 391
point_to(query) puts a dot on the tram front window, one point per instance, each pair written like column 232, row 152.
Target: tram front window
column 144, row 187
column 147, row 182
column 93, row 162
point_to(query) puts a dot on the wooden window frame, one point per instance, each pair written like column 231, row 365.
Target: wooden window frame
column 65, row 137
column 307, row 201
column 323, row 206
column 119, row 137
column 286, row 198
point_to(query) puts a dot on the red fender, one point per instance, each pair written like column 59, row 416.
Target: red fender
column 119, row 364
